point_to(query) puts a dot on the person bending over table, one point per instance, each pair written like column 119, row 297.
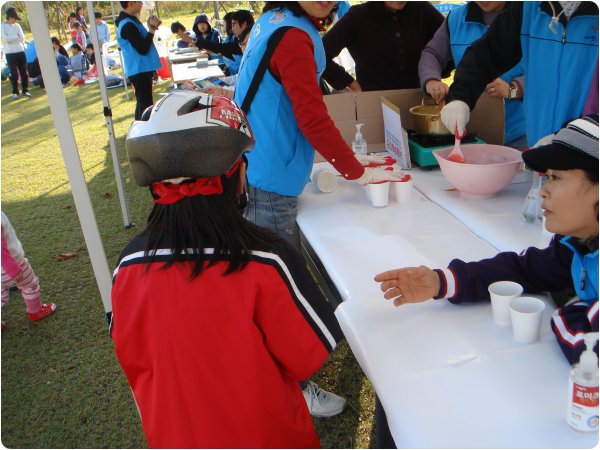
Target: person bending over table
column 289, row 120
column 570, row 203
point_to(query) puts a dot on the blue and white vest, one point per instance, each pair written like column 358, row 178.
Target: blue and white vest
column 282, row 158
column 133, row 61
column 462, row 34
column 584, row 271
column 558, row 66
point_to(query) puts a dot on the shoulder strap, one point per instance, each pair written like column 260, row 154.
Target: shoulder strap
column 262, row 67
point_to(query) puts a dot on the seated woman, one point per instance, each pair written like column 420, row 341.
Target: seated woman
column 570, row 203
column 215, row 320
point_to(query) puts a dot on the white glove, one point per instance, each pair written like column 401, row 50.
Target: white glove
column 455, row 116
column 377, row 175
column 365, row 160
column 546, row 140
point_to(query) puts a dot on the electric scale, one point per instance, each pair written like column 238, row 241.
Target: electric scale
column 422, row 145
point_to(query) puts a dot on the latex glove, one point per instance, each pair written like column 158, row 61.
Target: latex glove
column 365, row 160
column 546, row 140
column 377, row 175
column 409, row 285
column 455, row 116
column 437, row 89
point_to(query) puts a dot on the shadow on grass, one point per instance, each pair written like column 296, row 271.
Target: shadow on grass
column 62, row 386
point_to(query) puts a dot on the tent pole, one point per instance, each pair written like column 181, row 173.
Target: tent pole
column 112, row 10
column 108, row 117
column 64, row 131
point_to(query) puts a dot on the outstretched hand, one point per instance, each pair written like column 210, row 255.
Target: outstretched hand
column 409, row 284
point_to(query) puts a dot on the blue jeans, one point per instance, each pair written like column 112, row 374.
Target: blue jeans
column 275, row 212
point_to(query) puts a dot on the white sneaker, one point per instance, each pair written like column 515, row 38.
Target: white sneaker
column 26, row 94
column 322, row 403
column 15, row 96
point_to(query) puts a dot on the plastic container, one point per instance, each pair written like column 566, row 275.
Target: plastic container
column 582, row 404
column 359, row 145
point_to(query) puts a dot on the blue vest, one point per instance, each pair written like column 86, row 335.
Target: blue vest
column 282, row 158
column 558, row 69
column 134, row 62
column 584, row 271
column 463, row 33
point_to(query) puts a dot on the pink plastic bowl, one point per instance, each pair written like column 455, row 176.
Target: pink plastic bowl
column 486, row 171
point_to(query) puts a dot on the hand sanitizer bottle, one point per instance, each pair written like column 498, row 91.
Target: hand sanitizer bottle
column 582, row 411
column 359, row 145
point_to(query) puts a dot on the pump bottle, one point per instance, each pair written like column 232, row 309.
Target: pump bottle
column 359, row 145
column 582, row 410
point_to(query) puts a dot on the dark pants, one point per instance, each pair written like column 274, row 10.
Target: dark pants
column 383, row 437
column 17, row 63
column 142, row 83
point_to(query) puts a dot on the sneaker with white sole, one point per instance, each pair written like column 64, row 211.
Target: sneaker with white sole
column 45, row 311
column 322, row 403
column 26, row 94
column 15, row 96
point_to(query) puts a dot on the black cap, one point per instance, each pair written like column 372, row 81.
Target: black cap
column 575, row 146
column 12, row 13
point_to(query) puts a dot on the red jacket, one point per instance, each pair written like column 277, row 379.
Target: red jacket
column 215, row 362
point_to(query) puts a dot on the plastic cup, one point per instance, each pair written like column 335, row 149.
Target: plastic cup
column 501, row 294
column 378, row 193
column 526, row 315
column 403, row 190
column 324, row 180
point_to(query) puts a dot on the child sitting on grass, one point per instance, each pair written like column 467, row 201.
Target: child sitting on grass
column 78, row 63
column 570, row 203
column 16, row 271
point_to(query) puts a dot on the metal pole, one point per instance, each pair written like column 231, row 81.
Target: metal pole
column 112, row 10
column 108, row 117
column 64, row 131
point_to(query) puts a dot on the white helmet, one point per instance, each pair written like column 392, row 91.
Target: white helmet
column 187, row 134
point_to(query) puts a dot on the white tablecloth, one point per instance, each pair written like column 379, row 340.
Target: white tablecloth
column 447, row 375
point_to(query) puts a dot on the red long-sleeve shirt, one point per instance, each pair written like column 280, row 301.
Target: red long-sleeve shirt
column 293, row 63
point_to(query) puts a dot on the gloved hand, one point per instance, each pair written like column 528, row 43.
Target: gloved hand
column 153, row 23
column 377, row 175
column 365, row 160
column 546, row 140
column 455, row 116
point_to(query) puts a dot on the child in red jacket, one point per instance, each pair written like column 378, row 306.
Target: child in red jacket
column 215, row 320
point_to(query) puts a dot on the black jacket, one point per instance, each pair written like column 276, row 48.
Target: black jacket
column 385, row 45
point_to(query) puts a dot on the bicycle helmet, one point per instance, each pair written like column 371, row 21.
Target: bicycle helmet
column 187, row 135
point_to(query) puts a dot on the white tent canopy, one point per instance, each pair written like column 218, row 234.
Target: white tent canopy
column 64, row 131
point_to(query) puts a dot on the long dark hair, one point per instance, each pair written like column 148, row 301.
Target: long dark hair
column 204, row 221
column 297, row 10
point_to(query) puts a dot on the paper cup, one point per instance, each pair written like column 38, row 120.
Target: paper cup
column 526, row 316
column 501, row 294
column 403, row 190
column 324, row 180
column 378, row 193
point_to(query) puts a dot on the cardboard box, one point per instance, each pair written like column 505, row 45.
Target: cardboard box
column 348, row 109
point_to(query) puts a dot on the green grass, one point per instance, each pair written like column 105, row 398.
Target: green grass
column 62, row 386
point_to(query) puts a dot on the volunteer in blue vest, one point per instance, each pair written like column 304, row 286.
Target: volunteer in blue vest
column 557, row 44
column 570, row 203
column 290, row 120
column 463, row 26
column 139, row 53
